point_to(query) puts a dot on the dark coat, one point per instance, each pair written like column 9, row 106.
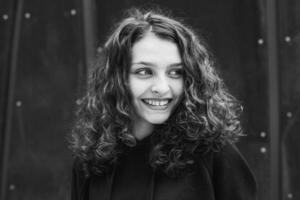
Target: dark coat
column 223, row 175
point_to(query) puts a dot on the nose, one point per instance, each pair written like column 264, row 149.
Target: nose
column 160, row 86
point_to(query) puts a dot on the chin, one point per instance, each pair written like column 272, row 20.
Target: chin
column 158, row 120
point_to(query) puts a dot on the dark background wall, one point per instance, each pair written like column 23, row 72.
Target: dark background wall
column 289, row 68
column 47, row 46
column 42, row 66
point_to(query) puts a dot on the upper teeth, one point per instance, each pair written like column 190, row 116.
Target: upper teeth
column 156, row 102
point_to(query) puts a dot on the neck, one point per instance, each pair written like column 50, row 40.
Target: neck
column 142, row 129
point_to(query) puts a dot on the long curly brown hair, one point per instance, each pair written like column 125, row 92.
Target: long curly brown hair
column 206, row 118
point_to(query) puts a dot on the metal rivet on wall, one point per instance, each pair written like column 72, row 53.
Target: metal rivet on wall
column 260, row 41
column 78, row 101
column 73, row 12
column 12, row 187
column 263, row 149
column 99, row 50
column 289, row 114
column 287, row 39
column 290, row 196
column 5, row 17
column 27, row 15
column 263, row 134
column 19, row 103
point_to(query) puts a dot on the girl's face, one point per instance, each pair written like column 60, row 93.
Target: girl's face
column 155, row 79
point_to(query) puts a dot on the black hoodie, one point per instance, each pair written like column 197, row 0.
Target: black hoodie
column 222, row 175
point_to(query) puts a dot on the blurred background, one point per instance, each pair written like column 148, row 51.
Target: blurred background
column 46, row 50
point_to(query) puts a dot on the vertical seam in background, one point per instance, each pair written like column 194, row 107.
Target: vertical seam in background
column 273, row 85
column 88, row 35
column 13, row 60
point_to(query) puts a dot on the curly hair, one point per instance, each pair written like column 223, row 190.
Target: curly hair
column 206, row 118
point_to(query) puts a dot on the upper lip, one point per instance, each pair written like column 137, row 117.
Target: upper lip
column 157, row 99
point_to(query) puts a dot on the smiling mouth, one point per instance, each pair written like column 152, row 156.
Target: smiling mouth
column 157, row 102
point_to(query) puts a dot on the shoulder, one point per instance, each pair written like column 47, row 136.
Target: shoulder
column 229, row 153
column 226, row 154
column 227, row 158
column 229, row 172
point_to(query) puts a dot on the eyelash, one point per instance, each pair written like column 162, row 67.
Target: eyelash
column 145, row 73
column 178, row 73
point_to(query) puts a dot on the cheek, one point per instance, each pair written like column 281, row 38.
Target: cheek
column 178, row 88
column 137, row 88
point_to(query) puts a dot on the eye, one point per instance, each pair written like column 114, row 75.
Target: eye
column 176, row 73
column 143, row 72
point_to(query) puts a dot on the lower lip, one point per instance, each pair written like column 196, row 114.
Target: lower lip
column 153, row 107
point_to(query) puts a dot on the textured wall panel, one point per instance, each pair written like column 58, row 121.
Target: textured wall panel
column 49, row 71
column 289, row 41
column 7, row 12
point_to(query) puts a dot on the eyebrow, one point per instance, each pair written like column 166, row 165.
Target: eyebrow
column 176, row 65
column 153, row 64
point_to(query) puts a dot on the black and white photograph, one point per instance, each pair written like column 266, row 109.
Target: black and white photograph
column 149, row 100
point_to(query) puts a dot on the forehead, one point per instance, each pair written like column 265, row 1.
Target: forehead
column 151, row 48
